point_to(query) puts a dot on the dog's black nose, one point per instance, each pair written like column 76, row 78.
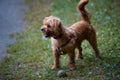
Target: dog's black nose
column 42, row 29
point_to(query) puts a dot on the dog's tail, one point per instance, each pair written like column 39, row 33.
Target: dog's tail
column 83, row 11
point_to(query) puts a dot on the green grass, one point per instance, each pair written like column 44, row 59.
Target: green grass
column 31, row 56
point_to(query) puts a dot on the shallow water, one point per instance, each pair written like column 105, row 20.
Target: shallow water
column 11, row 21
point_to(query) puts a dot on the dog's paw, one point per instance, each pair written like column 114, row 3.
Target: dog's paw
column 72, row 67
column 79, row 58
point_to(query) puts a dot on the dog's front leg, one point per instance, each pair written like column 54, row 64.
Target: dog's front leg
column 56, row 60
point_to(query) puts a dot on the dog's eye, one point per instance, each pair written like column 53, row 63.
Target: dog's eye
column 48, row 26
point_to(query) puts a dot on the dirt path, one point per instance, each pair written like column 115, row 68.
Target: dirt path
column 11, row 16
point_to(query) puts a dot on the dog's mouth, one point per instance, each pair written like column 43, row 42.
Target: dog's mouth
column 47, row 34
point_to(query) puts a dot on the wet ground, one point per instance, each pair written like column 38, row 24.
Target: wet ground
column 11, row 21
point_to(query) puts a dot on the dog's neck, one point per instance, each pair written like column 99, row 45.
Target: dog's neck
column 58, row 36
column 62, row 36
column 63, row 41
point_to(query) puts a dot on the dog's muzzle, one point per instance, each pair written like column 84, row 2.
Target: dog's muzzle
column 46, row 33
column 43, row 29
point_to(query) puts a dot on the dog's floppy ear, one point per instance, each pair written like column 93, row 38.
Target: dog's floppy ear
column 58, row 22
column 60, row 25
column 61, row 28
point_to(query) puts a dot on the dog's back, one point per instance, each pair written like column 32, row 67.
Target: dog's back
column 83, row 28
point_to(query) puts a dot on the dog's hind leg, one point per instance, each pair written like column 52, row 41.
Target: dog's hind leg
column 93, row 42
column 79, row 54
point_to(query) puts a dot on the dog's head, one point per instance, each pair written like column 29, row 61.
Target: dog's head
column 52, row 27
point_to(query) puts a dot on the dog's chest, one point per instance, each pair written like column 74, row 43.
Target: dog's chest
column 70, row 46
column 61, row 51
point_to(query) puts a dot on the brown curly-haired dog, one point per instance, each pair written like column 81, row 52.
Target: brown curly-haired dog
column 66, row 40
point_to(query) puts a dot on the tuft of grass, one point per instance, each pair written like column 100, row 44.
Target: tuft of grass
column 31, row 55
